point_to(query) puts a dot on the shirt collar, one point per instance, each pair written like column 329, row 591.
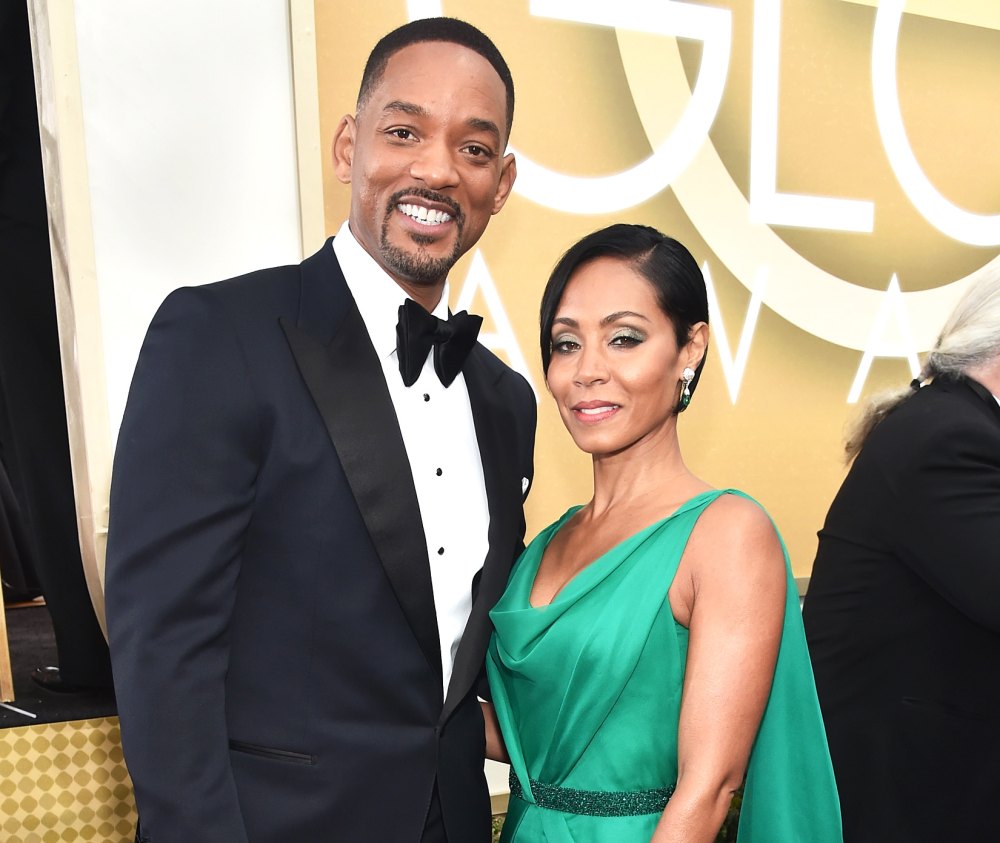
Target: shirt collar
column 377, row 296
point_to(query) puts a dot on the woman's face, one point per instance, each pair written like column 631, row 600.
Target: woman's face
column 615, row 368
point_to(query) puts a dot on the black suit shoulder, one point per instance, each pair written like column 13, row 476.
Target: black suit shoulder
column 925, row 493
column 263, row 293
column 497, row 369
column 937, row 420
column 519, row 395
column 926, row 439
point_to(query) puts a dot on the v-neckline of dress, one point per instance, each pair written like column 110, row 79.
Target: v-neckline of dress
column 641, row 533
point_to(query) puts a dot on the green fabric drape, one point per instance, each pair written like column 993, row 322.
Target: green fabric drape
column 588, row 691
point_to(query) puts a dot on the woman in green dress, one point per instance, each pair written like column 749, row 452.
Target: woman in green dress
column 648, row 658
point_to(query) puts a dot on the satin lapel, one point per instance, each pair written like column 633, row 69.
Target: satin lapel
column 344, row 372
column 503, row 490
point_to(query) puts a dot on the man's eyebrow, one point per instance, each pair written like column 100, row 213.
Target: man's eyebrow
column 405, row 107
column 482, row 125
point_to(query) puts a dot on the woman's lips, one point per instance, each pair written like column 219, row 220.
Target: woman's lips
column 591, row 412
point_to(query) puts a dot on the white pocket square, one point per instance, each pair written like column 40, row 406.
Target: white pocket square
column 524, row 484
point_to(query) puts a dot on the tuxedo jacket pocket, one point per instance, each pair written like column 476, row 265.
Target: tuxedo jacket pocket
column 285, row 755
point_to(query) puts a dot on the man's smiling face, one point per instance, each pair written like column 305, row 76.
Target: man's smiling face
column 425, row 161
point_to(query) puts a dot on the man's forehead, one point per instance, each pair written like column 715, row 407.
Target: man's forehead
column 427, row 59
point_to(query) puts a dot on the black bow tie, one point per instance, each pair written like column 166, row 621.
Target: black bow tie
column 418, row 330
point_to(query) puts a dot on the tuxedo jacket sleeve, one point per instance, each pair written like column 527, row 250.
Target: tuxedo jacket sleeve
column 184, row 482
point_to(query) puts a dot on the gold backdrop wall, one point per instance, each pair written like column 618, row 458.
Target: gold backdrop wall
column 831, row 165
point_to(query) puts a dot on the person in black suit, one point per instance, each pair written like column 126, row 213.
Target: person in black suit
column 310, row 522
column 903, row 609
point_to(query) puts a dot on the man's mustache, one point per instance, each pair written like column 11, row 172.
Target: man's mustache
column 429, row 195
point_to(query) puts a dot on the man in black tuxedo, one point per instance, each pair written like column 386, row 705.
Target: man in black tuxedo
column 309, row 525
column 903, row 610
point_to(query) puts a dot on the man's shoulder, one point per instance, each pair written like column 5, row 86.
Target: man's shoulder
column 497, row 370
column 244, row 301
column 258, row 284
column 268, row 291
column 270, row 285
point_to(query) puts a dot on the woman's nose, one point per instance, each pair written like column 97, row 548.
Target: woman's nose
column 591, row 366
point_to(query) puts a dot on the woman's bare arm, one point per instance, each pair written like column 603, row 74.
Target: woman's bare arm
column 730, row 592
column 495, row 748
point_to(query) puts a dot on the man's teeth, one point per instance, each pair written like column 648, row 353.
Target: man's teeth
column 594, row 411
column 424, row 215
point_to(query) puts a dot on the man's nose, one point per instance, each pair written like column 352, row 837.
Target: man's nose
column 434, row 165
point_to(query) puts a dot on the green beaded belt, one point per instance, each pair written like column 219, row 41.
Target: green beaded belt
column 594, row 803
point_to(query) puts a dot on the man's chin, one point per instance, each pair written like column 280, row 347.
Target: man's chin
column 424, row 240
column 418, row 267
column 431, row 245
column 422, row 259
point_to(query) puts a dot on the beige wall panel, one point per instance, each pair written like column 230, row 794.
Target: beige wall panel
column 170, row 159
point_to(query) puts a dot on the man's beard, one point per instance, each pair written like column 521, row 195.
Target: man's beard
column 419, row 267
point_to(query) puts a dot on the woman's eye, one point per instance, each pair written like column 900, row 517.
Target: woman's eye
column 627, row 339
column 564, row 345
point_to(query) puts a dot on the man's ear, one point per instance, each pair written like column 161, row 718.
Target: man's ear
column 508, row 173
column 343, row 148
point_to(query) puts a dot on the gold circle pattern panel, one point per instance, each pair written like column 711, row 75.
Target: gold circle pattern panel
column 65, row 782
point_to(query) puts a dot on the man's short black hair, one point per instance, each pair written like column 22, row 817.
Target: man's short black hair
column 449, row 30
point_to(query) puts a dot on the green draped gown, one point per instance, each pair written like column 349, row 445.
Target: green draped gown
column 588, row 692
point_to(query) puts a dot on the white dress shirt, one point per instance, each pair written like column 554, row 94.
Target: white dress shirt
column 440, row 438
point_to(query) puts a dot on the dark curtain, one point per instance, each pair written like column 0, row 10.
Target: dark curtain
column 33, row 440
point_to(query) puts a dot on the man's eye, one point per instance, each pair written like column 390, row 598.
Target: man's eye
column 477, row 151
column 402, row 134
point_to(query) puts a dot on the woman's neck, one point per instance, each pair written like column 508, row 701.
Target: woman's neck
column 647, row 474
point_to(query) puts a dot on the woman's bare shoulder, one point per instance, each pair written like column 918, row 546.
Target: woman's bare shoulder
column 735, row 534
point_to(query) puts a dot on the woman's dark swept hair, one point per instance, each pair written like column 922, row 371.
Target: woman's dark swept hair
column 661, row 260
